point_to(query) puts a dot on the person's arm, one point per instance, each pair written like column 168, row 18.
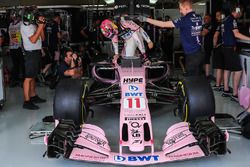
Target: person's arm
column 204, row 32
column 36, row 35
column 115, row 44
column 166, row 24
column 145, row 35
column 1, row 39
column 146, row 38
column 238, row 35
column 215, row 38
column 39, row 32
column 83, row 33
column 42, row 35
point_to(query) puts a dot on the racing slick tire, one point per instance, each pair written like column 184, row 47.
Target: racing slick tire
column 196, row 98
column 69, row 101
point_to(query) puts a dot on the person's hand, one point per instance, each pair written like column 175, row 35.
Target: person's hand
column 147, row 63
column 79, row 62
column 41, row 21
column 74, row 56
column 115, row 58
column 142, row 18
column 150, row 45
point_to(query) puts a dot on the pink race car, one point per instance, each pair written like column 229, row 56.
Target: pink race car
column 134, row 86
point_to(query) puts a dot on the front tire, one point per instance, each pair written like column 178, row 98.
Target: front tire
column 196, row 99
column 69, row 101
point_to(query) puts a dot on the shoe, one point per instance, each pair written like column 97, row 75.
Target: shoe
column 209, row 78
column 37, row 99
column 218, row 88
column 227, row 93
column 30, row 106
column 235, row 98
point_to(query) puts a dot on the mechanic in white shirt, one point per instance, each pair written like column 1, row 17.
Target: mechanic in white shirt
column 15, row 48
column 32, row 31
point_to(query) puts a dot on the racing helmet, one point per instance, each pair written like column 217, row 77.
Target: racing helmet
column 108, row 28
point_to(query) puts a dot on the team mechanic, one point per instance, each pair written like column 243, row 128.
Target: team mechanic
column 229, row 32
column 32, row 36
column 190, row 25
column 133, row 36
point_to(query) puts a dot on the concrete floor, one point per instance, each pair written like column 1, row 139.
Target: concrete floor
column 16, row 149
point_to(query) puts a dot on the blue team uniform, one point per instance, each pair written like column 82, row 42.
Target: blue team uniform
column 190, row 27
column 231, row 59
column 228, row 25
column 218, row 59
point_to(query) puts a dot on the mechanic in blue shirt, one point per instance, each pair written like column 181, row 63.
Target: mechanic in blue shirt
column 190, row 25
column 229, row 32
column 207, row 33
column 218, row 62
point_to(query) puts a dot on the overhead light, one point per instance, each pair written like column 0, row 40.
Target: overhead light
column 109, row 1
column 112, row 1
column 153, row 1
column 202, row 4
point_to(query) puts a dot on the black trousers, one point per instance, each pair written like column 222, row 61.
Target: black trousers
column 17, row 71
column 194, row 63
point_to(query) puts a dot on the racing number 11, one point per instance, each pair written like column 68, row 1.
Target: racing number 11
column 134, row 103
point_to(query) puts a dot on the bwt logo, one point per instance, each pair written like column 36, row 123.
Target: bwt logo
column 132, row 80
column 133, row 88
column 119, row 158
column 133, row 94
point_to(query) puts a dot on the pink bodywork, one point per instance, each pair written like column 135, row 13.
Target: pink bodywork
column 179, row 143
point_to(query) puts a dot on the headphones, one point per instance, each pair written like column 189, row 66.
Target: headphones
column 29, row 14
column 29, row 17
column 237, row 10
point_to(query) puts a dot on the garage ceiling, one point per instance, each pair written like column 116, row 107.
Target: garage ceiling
column 64, row 2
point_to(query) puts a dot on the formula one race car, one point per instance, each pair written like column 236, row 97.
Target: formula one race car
column 134, row 86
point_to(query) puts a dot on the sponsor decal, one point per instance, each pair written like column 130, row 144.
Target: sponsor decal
column 135, row 118
column 94, row 139
column 137, row 141
column 120, row 6
column 133, row 94
column 142, row 158
column 135, row 125
column 91, row 157
column 132, row 80
column 184, row 155
column 132, row 88
column 134, row 103
column 175, row 138
column 135, row 133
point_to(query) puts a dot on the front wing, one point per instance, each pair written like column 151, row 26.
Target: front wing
column 182, row 141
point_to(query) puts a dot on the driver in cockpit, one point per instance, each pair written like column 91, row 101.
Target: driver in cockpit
column 132, row 35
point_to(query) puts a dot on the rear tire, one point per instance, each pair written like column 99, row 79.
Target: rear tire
column 196, row 99
column 69, row 101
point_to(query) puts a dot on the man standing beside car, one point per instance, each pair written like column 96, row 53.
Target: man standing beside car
column 230, row 32
column 32, row 36
column 190, row 25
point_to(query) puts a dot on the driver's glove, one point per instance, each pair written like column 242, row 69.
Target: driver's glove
column 145, row 59
column 142, row 18
column 115, row 58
